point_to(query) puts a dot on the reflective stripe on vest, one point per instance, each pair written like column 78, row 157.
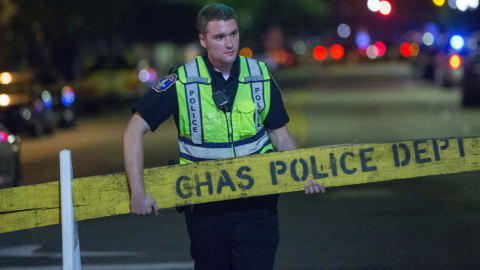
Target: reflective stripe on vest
column 193, row 101
column 257, row 89
column 194, row 91
column 208, row 151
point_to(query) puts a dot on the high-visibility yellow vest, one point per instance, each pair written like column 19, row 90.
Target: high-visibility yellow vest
column 205, row 131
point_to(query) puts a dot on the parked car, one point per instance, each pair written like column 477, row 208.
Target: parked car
column 471, row 82
column 22, row 109
column 35, row 103
column 62, row 99
column 9, row 158
column 433, row 64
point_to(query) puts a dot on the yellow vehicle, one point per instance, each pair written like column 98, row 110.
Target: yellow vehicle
column 109, row 77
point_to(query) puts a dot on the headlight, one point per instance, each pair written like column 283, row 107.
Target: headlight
column 4, row 100
column 5, row 78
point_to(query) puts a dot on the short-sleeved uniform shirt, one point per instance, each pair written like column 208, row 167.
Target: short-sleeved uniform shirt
column 157, row 106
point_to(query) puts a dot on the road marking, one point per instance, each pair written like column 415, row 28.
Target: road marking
column 31, row 251
column 144, row 266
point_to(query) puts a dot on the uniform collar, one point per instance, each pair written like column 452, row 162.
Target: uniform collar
column 233, row 72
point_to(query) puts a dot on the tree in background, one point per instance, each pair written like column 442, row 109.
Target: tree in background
column 8, row 9
column 53, row 33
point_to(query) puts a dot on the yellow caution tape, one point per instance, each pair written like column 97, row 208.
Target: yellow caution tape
column 177, row 185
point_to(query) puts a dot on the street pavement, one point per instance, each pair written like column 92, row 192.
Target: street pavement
column 421, row 223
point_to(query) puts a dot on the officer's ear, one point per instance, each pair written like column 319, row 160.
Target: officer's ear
column 203, row 40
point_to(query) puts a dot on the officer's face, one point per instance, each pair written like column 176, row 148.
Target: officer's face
column 221, row 42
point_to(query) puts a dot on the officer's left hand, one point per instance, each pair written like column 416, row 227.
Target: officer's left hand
column 313, row 187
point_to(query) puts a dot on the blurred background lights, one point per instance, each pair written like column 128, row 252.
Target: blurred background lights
column 472, row 44
column 439, row 2
column 382, row 6
column 271, row 63
column 280, row 56
column 142, row 64
column 473, row 4
column 362, row 40
column 47, row 99
column 4, row 100
column 3, row 136
column 320, row 53
column 362, row 51
column 343, row 30
column 462, row 5
column 5, row 78
column 372, row 52
column 381, row 48
column 455, row 61
column 299, row 47
column 336, row 51
column 290, row 60
column 373, row 5
column 143, row 75
column 418, row 38
column 415, row 49
column 26, row 114
column 246, row 52
column 452, row 4
column 385, row 8
column 406, row 49
column 457, row 42
column 432, row 28
column 152, row 74
column 68, row 96
column 428, row 39
column 147, row 75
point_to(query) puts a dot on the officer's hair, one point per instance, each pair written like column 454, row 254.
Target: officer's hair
column 214, row 12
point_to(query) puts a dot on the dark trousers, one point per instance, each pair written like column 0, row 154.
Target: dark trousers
column 234, row 240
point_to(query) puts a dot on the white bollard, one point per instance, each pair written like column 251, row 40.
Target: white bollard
column 70, row 241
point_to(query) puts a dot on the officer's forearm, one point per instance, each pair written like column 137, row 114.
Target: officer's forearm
column 133, row 159
column 281, row 139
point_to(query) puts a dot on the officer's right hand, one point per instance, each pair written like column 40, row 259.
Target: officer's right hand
column 143, row 204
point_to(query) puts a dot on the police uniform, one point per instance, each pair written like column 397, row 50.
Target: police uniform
column 241, row 233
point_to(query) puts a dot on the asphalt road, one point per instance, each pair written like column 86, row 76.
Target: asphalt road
column 421, row 223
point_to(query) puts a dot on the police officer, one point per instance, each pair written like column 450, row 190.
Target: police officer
column 224, row 105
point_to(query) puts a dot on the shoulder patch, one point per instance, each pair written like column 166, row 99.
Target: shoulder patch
column 165, row 82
